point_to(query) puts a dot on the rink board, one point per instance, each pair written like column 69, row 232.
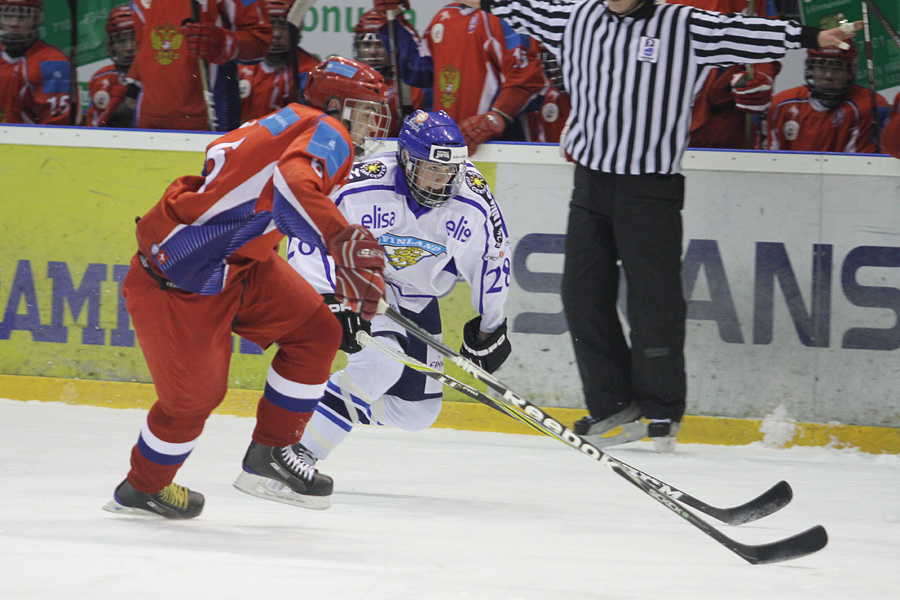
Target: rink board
column 792, row 272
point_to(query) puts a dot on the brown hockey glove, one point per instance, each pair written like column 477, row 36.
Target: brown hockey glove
column 359, row 270
column 478, row 129
column 489, row 353
column 206, row 41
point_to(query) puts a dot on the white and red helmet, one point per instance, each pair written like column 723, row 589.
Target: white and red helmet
column 354, row 93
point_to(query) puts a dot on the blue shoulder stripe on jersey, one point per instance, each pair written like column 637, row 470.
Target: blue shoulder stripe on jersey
column 513, row 38
column 328, row 144
column 56, row 76
column 248, row 2
column 278, row 122
column 290, row 222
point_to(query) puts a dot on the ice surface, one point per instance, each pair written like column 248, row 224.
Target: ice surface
column 434, row 515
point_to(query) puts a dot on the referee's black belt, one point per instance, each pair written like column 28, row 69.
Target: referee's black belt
column 164, row 284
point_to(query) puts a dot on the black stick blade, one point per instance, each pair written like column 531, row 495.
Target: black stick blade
column 803, row 544
column 770, row 501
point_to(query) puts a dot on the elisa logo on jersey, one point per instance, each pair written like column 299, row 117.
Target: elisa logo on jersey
column 648, row 51
column 406, row 251
column 459, row 230
column 165, row 39
column 378, row 218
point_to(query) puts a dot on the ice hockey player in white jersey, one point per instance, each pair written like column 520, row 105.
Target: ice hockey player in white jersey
column 434, row 214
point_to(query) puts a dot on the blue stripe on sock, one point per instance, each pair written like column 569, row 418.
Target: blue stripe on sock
column 159, row 458
column 295, row 405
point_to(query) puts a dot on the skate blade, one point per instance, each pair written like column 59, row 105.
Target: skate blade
column 269, row 489
column 630, row 432
column 113, row 506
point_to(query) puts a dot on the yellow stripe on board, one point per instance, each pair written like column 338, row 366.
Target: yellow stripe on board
column 467, row 415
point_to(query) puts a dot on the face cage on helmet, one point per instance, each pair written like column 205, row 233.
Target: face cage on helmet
column 431, row 183
column 25, row 34
column 368, row 49
column 829, row 96
column 368, row 123
column 121, row 48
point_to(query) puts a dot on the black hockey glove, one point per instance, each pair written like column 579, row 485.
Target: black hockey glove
column 488, row 354
column 351, row 322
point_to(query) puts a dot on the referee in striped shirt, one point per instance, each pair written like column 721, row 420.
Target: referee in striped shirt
column 633, row 69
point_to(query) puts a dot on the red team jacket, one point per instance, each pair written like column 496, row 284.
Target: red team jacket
column 36, row 88
column 796, row 122
column 472, row 45
column 107, row 91
column 890, row 137
column 264, row 89
column 172, row 95
column 265, row 180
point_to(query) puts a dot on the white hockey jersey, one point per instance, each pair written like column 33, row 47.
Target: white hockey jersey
column 426, row 248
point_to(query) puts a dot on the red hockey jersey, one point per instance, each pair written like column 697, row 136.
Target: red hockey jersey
column 107, row 91
column 172, row 94
column 480, row 63
column 262, row 181
column 36, row 88
column 798, row 122
column 265, row 88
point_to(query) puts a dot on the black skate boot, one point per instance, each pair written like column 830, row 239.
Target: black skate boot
column 284, row 475
column 663, row 433
column 172, row 502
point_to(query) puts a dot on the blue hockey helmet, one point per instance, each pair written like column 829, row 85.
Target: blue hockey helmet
column 432, row 152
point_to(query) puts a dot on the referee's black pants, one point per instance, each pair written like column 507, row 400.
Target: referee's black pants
column 635, row 219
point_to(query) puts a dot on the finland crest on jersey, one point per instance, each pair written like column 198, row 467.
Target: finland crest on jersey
column 406, row 251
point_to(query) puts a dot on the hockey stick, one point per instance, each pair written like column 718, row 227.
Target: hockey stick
column 404, row 102
column 870, row 68
column 802, row 544
column 208, row 97
column 883, row 20
column 75, row 91
column 769, row 502
column 294, row 20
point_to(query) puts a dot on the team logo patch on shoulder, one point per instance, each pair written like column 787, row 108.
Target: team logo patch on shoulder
column 406, row 251
column 372, row 169
column 477, row 183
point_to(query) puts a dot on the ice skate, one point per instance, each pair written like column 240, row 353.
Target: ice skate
column 284, row 475
column 663, row 433
column 620, row 428
column 172, row 502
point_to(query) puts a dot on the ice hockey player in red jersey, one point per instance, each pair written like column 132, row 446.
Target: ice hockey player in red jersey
column 368, row 49
column 730, row 94
column 36, row 84
column 111, row 104
column 167, row 67
column 831, row 113
column 483, row 73
column 207, row 266
column 269, row 84
column 548, row 122
column 890, row 136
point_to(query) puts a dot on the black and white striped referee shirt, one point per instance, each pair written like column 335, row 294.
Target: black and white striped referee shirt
column 633, row 80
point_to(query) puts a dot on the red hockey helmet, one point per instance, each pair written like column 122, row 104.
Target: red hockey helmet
column 354, row 93
column 20, row 22
column 120, row 36
column 831, row 73
column 367, row 46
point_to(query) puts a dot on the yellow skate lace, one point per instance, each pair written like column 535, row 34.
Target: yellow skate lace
column 174, row 494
